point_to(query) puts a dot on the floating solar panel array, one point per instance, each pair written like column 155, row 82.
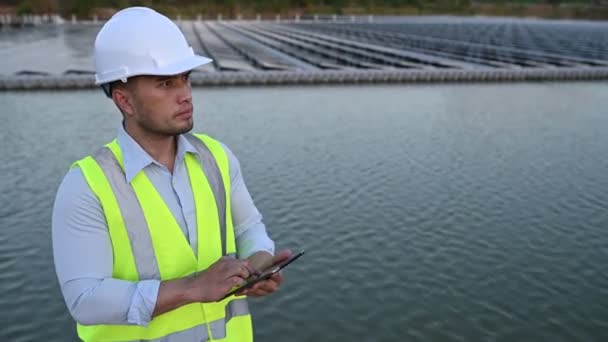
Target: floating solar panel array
column 432, row 49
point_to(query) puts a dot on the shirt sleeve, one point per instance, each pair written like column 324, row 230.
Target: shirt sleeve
column 83, row 258
column 249, row 229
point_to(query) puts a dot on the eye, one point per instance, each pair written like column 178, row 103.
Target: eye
column 186, row 77
column 164, row 84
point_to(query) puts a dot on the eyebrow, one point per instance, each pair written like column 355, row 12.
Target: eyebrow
column 163, row 78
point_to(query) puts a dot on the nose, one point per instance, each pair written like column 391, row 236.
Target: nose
column 185, row 93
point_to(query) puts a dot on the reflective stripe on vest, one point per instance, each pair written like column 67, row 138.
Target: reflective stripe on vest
column 148, row 243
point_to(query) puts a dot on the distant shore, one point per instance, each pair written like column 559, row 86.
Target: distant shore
column 590, row 10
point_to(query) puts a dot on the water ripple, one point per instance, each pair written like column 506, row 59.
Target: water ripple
column 432, row 213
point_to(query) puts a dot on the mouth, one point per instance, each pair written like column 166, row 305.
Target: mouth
column 186, row 113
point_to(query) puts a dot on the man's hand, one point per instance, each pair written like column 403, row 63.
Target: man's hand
column 213, row 283
column 259, row 261
column 207, row 286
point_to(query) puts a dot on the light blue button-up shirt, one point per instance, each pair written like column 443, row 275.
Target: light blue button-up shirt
column 83, row 251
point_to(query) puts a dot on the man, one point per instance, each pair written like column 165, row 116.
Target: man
column 151, row 231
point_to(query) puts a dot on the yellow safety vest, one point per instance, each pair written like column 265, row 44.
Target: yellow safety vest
column 174, row 256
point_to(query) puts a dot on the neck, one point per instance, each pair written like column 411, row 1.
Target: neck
column 160, row 147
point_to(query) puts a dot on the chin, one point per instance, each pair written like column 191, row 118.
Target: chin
column 185, row 129
column 174, row 131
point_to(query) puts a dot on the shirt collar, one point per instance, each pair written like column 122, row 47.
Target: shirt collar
column 135, row 158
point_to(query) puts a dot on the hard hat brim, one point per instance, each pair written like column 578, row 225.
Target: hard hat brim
column 182, row 66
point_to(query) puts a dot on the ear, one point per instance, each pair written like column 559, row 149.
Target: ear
column 124, row 100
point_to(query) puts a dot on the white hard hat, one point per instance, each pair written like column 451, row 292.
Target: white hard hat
column 141, row 41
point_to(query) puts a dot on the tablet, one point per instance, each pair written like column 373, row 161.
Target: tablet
column 264, row 275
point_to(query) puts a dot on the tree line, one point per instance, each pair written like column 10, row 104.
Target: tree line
column 233, row 8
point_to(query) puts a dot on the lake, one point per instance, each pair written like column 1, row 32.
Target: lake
column 429, row 213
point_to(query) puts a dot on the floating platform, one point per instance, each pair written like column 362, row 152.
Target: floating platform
column 332, row 51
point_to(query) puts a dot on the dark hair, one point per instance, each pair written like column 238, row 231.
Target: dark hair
column 107, row 87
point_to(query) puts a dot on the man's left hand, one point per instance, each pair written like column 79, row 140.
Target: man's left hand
column 259, row 261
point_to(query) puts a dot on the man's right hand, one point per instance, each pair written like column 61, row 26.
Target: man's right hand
column 213, row 283
column 207, row 286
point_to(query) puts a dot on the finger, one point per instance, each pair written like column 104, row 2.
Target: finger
column 250, row 269
column 269, row 286
column 282, row 255
column 274, row 281
column 256, row 286
column 266, row 286
column 277, row 278
column 242, row 271
column 272, row 284
column 255, row 293
column 233, row 282
column 233, row 269
column 237, row 268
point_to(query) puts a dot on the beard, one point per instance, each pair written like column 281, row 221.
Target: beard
column 168, row 130
column 171, row 127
